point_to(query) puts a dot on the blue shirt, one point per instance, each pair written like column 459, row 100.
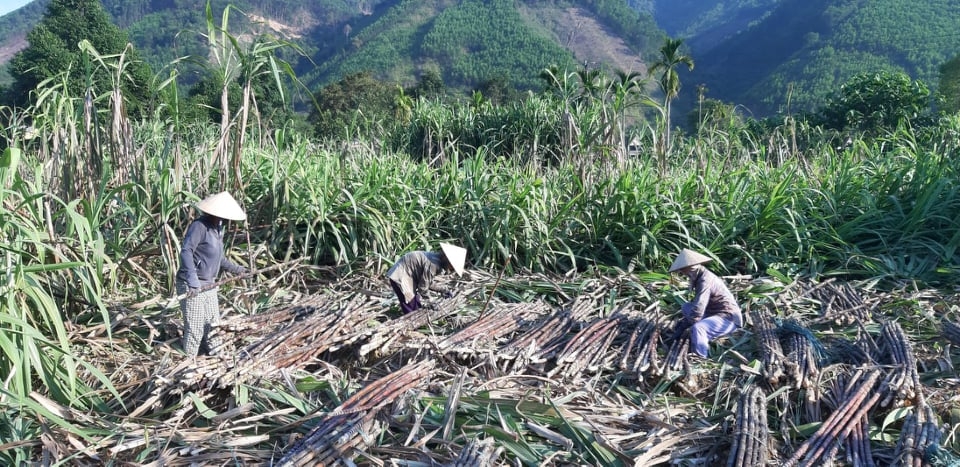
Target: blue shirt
column 201, row 255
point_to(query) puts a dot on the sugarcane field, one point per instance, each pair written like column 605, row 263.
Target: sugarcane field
column 561, row 280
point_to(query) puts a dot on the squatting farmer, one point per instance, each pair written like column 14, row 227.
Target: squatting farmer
column 713, row 312
column 416, row 270
column 201, row 259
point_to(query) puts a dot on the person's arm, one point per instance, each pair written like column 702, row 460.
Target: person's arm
column 193, row 238
column 230, row 266
column 694, row 309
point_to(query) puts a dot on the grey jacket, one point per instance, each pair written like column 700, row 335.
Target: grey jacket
column 201, row 255
column 712, row 298
column 414, row 271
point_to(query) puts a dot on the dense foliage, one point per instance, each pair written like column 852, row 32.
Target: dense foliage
column 55, row 47
column 804, row 50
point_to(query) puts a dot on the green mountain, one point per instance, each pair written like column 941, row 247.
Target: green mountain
column 767, row 55
column 803, row 50
column 468, row 42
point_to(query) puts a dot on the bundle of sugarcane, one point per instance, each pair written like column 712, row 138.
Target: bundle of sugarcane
column 587, row 349
column 858, row 395
column 856, row 353
column 749, row 447
column 349, row 426
column 905, row 377
column 802, row 355
column 920, row 432
column 769, row 344
column 676, row 356
column 478, row 453
column 951, row 331
column 504, row 319
column 640, row 351
column 538, row 344
column 383, row 337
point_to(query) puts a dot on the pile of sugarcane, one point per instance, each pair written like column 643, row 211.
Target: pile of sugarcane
column 500, row 320
column 920, row 432
column 640, row 352
column 854, row 398
column 538, row 344
column 749, row 448
column 297, row 345
column 383, row 337
column 904, row 380
column 802, row 357
column 587, row 349
column 771, row 352
column 951, row 331
column 351, row 426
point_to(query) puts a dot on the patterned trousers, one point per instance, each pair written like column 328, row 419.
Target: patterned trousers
column 200, row 313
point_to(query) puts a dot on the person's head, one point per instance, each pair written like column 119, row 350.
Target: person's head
column 454, row 257
column 222, row 206
column 688, row 263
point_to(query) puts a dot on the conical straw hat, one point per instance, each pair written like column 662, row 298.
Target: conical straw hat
column 457, row 256
column 688, row 258
column 223, row 206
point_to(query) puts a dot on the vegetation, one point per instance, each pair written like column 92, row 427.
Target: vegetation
column 803, row 50
column 544, row 194
column 53, row 48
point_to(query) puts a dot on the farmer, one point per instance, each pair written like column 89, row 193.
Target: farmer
column 201, row 259
column 415, row 271
column 713, row 312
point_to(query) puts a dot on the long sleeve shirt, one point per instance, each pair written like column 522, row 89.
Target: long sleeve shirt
column 201, row 255
column 712, row 297
column 415, row 271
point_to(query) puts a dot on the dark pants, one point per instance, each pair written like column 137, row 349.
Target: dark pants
column 405, row 307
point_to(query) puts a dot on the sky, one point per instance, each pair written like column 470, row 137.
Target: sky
column 6, row 6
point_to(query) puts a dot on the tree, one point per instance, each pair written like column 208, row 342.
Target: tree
column 872, row 102
column 665, row 70
column 54, row 49
column 949, row 89
column 354, row 103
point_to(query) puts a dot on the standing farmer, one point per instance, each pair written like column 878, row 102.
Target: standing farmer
column 201, row 259
column 713, row 312
column 415, row 271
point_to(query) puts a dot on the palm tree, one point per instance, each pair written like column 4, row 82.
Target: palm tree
column 665, row 70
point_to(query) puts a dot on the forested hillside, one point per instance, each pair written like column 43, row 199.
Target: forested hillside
column 467, row 42
column 806, row 49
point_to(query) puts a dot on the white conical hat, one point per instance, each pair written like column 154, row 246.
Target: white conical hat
column 688, row 258
column 457, row 256
column 223, row 206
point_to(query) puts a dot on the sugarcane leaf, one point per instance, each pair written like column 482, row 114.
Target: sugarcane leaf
column 895, row 415
column 202, row 408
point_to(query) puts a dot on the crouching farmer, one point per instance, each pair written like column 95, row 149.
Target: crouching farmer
column 416, row 270
column 713, row 312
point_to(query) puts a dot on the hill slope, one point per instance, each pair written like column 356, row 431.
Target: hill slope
column 805, row 49
column 469, row 41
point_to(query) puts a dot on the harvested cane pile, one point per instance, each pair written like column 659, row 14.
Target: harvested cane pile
column 573, row 373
